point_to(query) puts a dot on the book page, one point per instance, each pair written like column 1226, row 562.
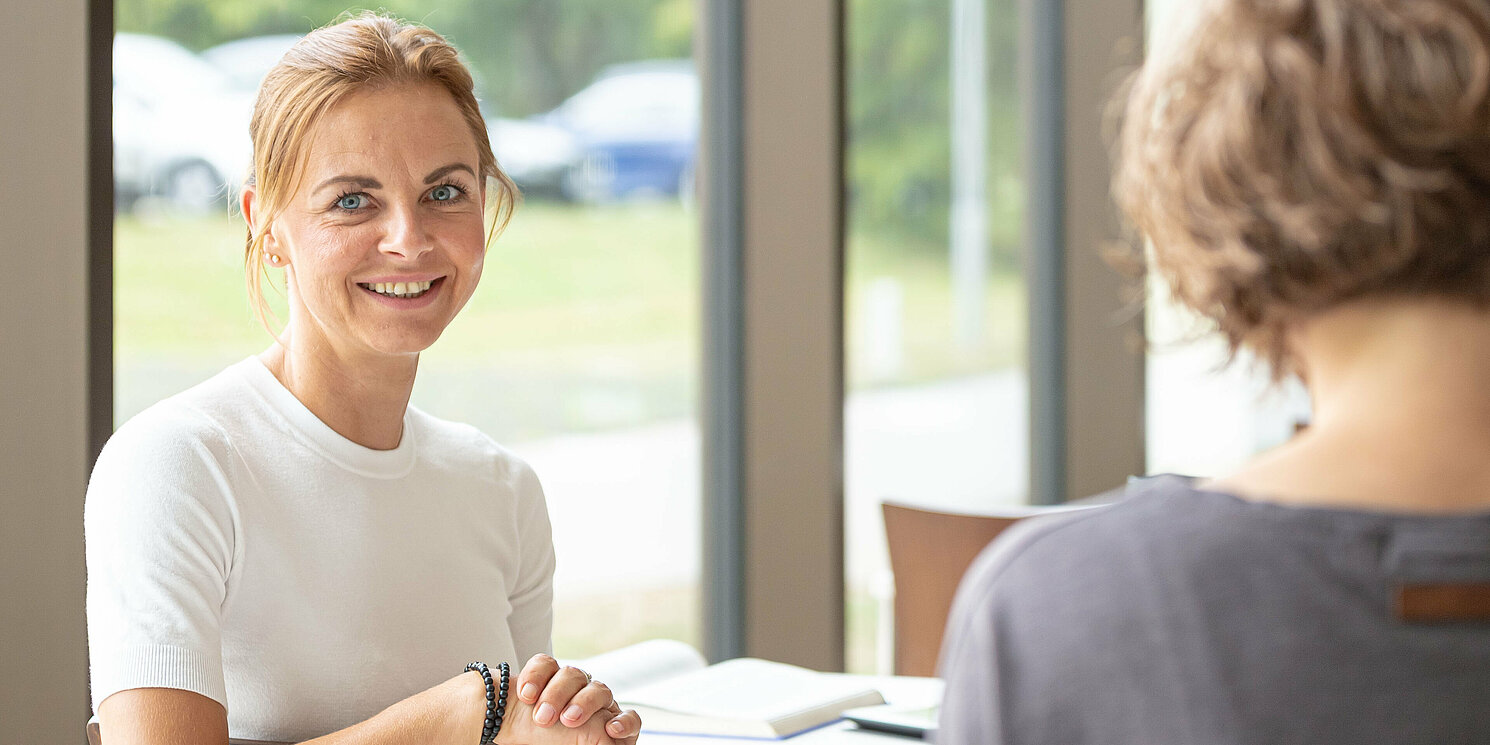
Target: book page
column 632, row 667
column 749, row 689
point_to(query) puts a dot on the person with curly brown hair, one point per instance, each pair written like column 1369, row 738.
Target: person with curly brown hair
column 1313, row 176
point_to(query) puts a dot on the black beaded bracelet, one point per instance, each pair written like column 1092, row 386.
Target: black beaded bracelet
column 496, row 699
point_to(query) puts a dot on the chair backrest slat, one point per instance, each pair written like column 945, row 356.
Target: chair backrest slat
column 929, row 552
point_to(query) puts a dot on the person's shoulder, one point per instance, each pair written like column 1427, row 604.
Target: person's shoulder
column 1055, row 585
column 183, row 421
column 172, row 456
column 1065, row 608
column 1158, row 517
column 1028, row 542
column 206, row 410
column 450, row 444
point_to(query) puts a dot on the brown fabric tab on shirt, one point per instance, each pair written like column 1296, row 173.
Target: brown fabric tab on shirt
column 1445, row 602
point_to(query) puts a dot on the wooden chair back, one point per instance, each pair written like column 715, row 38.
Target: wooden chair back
column 929, row 553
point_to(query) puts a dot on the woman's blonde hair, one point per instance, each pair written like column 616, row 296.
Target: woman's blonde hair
column 358, row 53
column 1299, row 154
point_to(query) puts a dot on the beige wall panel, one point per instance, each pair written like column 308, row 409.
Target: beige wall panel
column 43, row 311
column 1104, row 386
column 793, row 298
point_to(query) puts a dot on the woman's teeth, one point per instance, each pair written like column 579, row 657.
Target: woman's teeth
column 398, row 289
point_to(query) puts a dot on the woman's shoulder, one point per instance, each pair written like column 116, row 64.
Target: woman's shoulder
column 1160, row 540
column 454, row 444
column 175, row 458
column 195, row 431
column 1159, row 521
column 203, row 413
column 189, row 416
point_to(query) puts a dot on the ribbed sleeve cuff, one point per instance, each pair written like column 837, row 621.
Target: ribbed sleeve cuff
column 157, row 666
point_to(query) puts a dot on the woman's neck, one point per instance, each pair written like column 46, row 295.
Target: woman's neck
column 363, row 398
column 1419, row 364
column 1401, row 421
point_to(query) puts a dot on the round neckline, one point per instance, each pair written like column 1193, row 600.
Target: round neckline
column 315, row 434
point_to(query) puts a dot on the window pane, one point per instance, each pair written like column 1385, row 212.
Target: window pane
column 579, row 350
column 937, row 397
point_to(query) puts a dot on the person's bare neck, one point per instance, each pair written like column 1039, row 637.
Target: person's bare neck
column 362, row 399
column 1401, row 421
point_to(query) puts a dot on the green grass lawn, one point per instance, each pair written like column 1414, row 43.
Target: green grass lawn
column 586, row 317
column 617, row 277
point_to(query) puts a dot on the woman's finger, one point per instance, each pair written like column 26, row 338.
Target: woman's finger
column 556, row 697
column 595, row 698
column 625, row 727
column 535, row 676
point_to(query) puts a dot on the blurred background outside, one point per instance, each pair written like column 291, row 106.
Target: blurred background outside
column 935, row 320
column 580, row 350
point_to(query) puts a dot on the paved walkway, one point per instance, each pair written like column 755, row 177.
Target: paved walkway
column 625, row 504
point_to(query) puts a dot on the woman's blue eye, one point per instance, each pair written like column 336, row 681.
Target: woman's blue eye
column 444, row 193
column 351, row 201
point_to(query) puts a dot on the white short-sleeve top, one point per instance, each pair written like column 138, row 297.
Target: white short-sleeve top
column 240, row 548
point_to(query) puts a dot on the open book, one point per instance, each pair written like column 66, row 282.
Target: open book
column 668, row 683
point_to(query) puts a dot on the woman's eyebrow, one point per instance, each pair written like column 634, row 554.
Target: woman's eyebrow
column 361, row 182
column 440, row 172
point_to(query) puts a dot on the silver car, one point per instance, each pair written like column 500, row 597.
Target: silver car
column 180, row 126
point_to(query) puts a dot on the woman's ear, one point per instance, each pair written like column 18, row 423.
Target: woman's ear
column 248, row 202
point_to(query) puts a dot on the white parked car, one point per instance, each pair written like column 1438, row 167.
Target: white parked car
column 180, row 126
column 538, row 156
column 248, row 60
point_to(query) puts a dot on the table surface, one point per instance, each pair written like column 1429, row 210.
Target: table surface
column 898, row 690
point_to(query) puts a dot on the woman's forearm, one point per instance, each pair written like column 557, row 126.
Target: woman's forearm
column 448, row 714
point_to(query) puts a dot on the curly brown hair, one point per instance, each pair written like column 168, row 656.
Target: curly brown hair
column 1294, row 155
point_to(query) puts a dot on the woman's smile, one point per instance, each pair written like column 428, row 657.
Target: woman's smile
column 403, row 294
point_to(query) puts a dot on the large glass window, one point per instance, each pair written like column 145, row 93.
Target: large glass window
column 579, row 350
column 937, row 396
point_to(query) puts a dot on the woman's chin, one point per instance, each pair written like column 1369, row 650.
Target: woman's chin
column 403, row 345
column 407, row 350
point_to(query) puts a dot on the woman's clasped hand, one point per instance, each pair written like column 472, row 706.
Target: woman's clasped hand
column 563, row 704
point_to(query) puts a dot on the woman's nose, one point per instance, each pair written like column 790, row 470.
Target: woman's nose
column 407, row 234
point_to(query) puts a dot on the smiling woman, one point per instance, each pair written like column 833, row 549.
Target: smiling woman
column 290, row 550
column 395, row 201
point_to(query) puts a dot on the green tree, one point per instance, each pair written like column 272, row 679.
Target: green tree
column 527, row 55
column 899, row 108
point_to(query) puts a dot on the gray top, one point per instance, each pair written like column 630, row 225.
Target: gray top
column 1186, row 616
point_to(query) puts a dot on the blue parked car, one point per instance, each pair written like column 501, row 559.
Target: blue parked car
column 636, row 128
